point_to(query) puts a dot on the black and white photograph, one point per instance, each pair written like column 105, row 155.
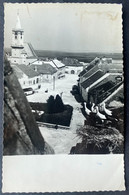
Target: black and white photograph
column 64, row 82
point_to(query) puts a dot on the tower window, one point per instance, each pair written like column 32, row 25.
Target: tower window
column 16, row 35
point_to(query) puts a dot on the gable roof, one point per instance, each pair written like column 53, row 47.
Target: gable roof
column 29, row 50
column 17, row 72
column 94, row 77
column 82, row 72
column 44, row 68
column 58, row 63
column 104, row 86
column 27, row 70
column 92, row 64
column 55, row 63
column 71, row 62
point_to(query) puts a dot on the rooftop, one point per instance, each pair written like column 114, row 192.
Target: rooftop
column 27, row 70
column 55, row 63
column 92, row 79
column 17, row 72
column 44, row 68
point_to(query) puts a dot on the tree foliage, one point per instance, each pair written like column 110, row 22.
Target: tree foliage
column 50, row 104
column 59, row 106
column 55, row 105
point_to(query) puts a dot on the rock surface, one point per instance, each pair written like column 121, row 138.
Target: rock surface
column 21, row 133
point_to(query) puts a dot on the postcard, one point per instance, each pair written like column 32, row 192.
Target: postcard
column 63, row 98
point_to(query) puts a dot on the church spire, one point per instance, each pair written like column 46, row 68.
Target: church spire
column 17, row 39
column 18, row 23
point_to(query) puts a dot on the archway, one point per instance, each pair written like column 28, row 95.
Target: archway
column 72, row 72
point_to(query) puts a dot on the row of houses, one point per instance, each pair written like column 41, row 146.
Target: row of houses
column 38, row 72
column 101, row 81
column 31, row 69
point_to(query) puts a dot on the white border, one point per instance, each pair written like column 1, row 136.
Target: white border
column 61, row 173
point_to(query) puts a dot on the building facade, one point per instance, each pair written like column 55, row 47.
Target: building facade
column 100, row 79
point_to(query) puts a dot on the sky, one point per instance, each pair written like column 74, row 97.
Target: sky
column 69, row 27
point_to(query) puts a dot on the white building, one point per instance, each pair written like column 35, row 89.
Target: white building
column 21, row 52
column 24, row 59
column 46, row 72
column 73, row 66
column 26, row 76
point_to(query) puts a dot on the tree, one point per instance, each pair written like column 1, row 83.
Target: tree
column 50, row 104
column 59, row 105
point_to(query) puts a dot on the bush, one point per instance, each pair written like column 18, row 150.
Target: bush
column 55, row 105
column 78, row 98
column 62, row 118
column 38, row 106
column 58, row 105
column 55, row 111
column 50, row 104
column 99, row 141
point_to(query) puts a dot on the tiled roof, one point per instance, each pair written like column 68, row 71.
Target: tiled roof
column 27, row 70
column 92, row 64
column 17, row 72
column 92, row 79
column 91, row 71
column 82, row 72
column 44, row 68
column 89, row 67
column 109, row 93
column 32, row 50
column 71, row 62
column 58, row 63
column 55, row 63
column 105, row 86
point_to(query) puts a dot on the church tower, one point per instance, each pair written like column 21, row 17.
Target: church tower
column 17, row 41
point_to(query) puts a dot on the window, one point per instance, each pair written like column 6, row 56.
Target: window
column 72, row 72
column 15, row 35
column 37, row 80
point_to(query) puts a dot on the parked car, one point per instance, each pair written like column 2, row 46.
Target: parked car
column 28, row 91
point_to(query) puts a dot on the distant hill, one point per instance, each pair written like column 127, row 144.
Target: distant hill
column 86, row 57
